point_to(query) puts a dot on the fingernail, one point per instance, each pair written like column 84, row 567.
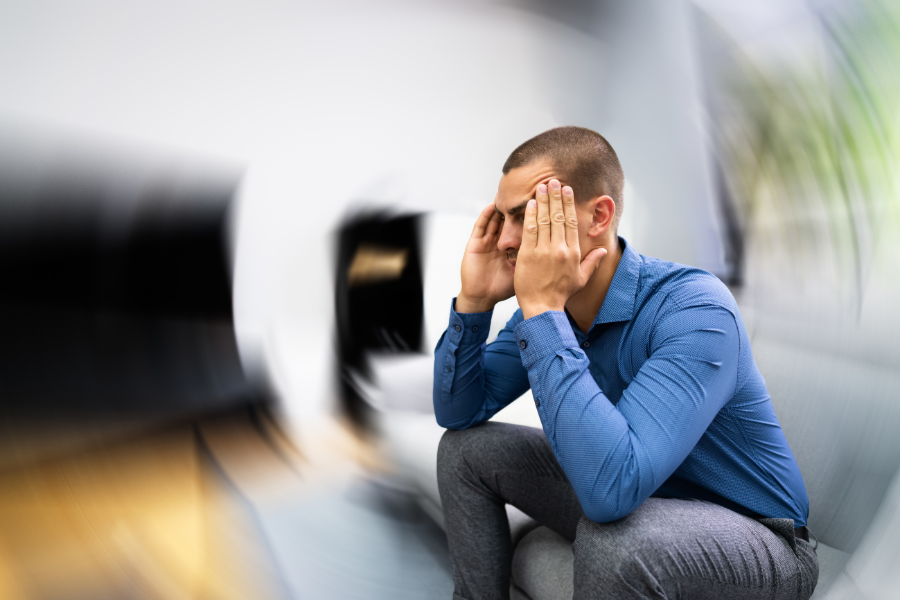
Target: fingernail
column 542, row 189
column 532, row 203
column 554, row 184
column 567, row 191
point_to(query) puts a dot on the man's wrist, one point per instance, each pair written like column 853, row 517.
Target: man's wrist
column 543, row 336
column 464, row 304
column 532, row 310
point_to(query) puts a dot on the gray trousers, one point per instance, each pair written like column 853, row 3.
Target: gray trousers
column 666, row 548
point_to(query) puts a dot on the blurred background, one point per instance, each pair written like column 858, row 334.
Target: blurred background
column 230, row 233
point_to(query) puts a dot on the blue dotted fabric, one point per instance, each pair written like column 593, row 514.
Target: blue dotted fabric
column 660, row 397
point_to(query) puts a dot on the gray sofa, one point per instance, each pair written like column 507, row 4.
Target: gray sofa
column 836, row 394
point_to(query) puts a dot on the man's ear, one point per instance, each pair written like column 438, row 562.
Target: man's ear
column 603, row 212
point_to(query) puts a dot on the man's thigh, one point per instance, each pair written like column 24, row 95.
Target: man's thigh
column 514, row 465
column 691, row 549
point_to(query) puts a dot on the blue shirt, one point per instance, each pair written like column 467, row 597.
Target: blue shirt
column 661, row 397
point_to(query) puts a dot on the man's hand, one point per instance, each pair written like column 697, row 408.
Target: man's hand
column 486, row 275
column 549, row 269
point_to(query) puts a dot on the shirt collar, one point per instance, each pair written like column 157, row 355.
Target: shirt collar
column 618, row 305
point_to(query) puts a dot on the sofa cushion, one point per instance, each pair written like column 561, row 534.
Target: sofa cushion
column 831, row 564
column 520, row 524
column 543, row 566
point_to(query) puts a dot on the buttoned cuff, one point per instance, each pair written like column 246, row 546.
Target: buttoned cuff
column 468, row 328
column 544, row 335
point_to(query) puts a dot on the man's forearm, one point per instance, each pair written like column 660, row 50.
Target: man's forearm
column 458, row 393
column 472, row 381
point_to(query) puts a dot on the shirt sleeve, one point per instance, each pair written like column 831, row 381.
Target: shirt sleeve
column 474, row 380
column 616, row 456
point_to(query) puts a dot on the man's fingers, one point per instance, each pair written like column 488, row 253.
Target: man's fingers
column 557, row 216
column 530, row 230
column 493, row 225
column 483, row 219
column 571, row 217
column 543, row 215
column 591, row 262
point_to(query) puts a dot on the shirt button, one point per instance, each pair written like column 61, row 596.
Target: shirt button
column 537, row 401
column 449, row 369
column 586, row 345
column 457, row 327
column 523, row 344
column 474, row 328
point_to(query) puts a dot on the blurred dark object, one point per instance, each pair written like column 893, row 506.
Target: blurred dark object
column 378, row 299
column 116, row 285
column 733, row 234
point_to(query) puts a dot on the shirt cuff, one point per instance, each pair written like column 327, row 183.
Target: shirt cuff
column 544, row 335
column 468, row 328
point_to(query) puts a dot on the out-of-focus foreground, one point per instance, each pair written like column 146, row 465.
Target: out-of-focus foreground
column 229, row 236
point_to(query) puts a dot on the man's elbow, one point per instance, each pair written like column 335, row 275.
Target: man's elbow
column 449, row 422
column 602, row 510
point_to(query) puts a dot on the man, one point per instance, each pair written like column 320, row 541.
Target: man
column 661, row 457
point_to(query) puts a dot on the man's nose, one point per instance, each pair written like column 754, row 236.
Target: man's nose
column 510, row 237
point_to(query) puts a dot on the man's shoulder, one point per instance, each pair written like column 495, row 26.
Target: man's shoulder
column 682, row 286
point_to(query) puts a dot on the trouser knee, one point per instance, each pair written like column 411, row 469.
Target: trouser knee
column 450, row 449
column 449, row 446
column 458, row 450
column 453, row 445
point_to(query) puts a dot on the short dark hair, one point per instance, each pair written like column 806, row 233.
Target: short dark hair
column 582, row 157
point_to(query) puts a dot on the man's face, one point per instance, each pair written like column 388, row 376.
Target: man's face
column 518, row 187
